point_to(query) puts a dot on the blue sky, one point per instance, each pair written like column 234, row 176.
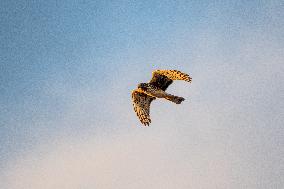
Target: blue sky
column 66, row 74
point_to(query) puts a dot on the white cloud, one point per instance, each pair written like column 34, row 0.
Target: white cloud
column 137, row 160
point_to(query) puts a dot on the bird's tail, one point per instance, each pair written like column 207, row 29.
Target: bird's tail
column 175, row 99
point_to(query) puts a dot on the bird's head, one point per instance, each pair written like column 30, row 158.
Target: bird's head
column 142, row 85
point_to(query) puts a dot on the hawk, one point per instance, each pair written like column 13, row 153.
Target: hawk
column 147, row 92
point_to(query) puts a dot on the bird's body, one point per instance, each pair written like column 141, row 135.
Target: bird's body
column 147, row 92
column 153, row 91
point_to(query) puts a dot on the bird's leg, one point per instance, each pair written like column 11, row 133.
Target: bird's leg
column 158, row 93
column 175, row 99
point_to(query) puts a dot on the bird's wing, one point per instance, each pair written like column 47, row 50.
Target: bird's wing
column 141, row 104
column 163, row 78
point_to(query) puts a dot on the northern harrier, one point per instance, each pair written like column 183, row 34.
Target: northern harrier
column 147, row 92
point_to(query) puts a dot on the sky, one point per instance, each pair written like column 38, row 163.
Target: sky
column 67, row 69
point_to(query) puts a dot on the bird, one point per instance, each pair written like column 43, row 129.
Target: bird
column 147, row 92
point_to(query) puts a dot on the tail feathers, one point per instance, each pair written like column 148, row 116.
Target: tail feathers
column 175, row 99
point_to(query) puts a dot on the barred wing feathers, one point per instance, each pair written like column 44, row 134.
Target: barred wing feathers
column 163, row 78
column 141, row 104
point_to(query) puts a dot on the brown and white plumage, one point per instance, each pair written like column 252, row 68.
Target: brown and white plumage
column 147, row 92
column 141, row 103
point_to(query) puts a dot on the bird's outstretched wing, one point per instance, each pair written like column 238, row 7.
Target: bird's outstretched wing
column 141, row 104
column 163, row 78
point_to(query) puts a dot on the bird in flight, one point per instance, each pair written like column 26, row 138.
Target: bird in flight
column 147, row 92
